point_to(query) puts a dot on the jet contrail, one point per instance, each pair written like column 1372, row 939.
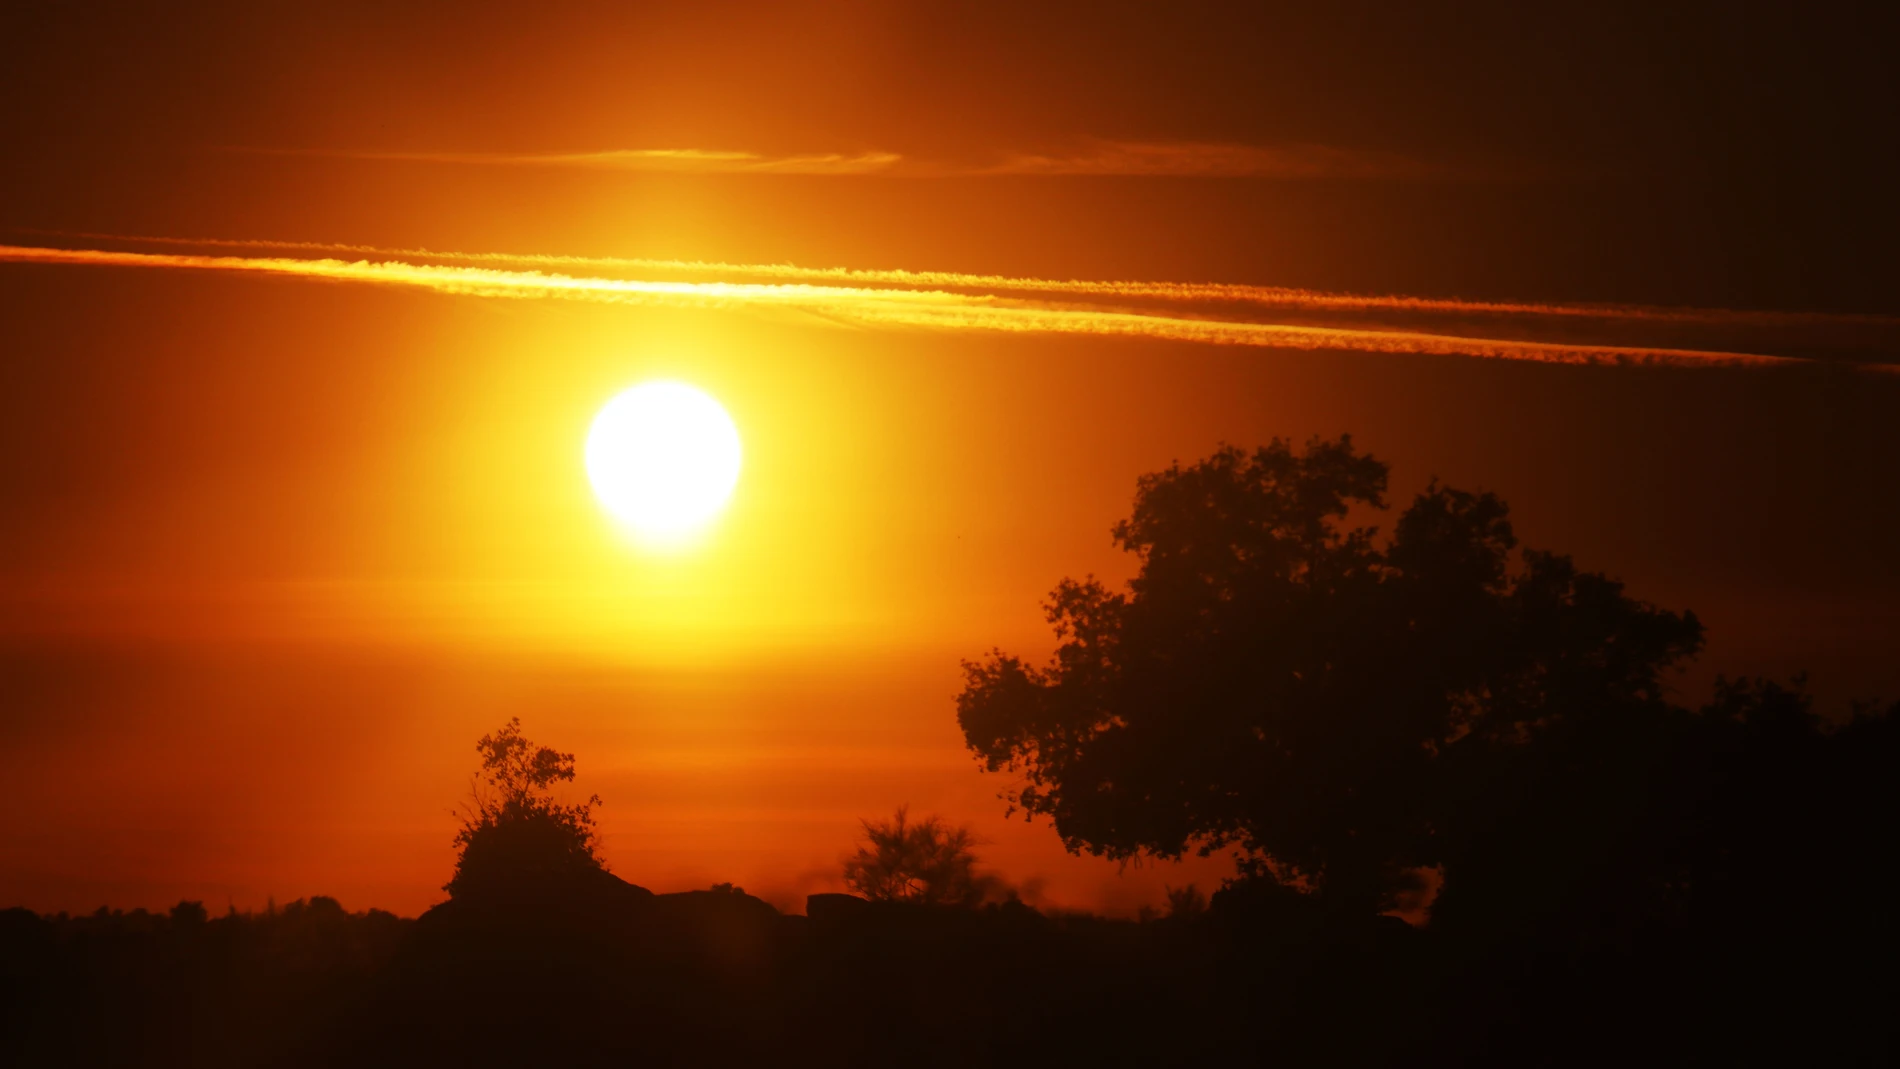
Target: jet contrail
column 937, row 309
column 1183, row 292
column 687, row 160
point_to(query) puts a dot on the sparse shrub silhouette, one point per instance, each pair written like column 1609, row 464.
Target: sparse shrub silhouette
column 1279, row 682
column 1186, row 903
column 516, row 837
column 926, row 861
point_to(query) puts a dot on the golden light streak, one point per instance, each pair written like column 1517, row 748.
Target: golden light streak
column 919, row 308
column 1283, row 297
column 1090, row 157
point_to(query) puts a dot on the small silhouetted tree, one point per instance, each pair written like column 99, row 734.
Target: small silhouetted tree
column 926, row 861
column 516, row 836
column 1185, row 903
column 1277, row 681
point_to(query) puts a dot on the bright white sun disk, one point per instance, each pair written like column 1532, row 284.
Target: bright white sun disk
column 663, row 458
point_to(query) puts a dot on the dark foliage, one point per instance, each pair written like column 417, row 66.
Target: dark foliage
column 142, row 989
column 926, row 861
column 1281, row 682
column 517, row 839
column 718, row 978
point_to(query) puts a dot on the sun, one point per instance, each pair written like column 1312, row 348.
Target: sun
column 663, row 458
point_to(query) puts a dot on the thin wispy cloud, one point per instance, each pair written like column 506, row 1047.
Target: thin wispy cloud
column 665, row 160
column 931, row 309
column 1193, row 159
column 1107, row 158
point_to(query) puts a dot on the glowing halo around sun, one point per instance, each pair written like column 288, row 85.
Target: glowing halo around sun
column 663, row 458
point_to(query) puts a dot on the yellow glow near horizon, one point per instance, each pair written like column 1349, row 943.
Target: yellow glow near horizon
column 663, row 458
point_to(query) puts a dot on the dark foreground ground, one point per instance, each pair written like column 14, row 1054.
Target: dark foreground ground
column 619, row 976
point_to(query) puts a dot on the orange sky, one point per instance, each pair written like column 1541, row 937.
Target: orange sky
column 277, row 549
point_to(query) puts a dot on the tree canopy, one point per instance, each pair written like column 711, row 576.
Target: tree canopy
column 1279, row 680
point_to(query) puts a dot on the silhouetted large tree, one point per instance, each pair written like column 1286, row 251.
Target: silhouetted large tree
column 1279, row 680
